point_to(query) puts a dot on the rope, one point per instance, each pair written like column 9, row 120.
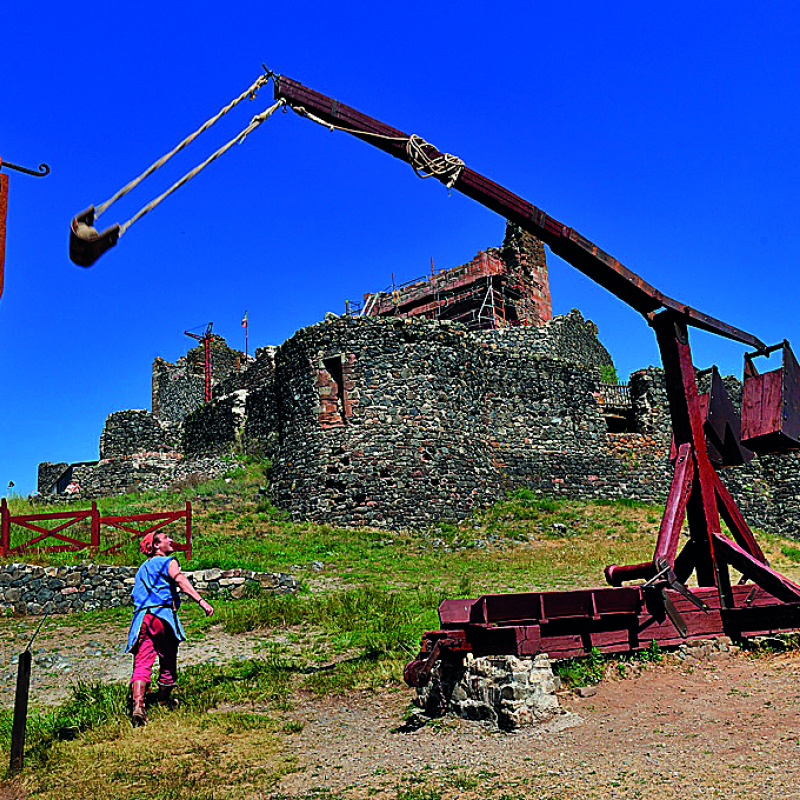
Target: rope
column 444, row 166
column 447, row 168
column 254, row 123
column 331, row 127
column 250, row 93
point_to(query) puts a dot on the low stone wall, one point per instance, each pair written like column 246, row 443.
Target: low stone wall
column 122, row 474
column 30, row 589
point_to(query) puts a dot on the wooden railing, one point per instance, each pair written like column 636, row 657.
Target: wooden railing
column 128, row 526
column 616, row 395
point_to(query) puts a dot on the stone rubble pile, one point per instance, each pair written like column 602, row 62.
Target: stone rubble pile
column 693, row 652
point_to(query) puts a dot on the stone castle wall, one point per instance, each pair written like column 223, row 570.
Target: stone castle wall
column 179, row 388
column 568, row 338
column 403, row 422
column 123, row 474
column 134, row 431
column 49, row 474
column 374, row 415
column 215, row 427
column 398, row 422
column 176, row 390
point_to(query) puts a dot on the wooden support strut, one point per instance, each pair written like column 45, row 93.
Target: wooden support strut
column 3, row 215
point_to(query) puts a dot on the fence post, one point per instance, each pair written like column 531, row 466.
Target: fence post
column 188, row 530
column 95, row 523
column 20, row 710
column 5, row 529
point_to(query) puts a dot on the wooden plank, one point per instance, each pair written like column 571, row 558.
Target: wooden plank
column 766, row 577
column 3, row 215
column 751, row 407
column 675, row 511
column 76, row 516
column 771, row 405
column 19, row 724
column 570, row 637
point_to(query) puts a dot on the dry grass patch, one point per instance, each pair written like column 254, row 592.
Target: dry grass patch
column 233, row 755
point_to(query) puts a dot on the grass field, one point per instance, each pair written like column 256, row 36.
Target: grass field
column 356, row 621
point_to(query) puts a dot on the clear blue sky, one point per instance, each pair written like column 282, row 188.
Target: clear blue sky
column 665, row 133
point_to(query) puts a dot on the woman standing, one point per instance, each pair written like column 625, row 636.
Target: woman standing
column 156, row 629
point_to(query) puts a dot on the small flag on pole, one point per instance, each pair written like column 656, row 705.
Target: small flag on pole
column 244, row 321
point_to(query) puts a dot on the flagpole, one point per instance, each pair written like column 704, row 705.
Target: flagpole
column 244, row 325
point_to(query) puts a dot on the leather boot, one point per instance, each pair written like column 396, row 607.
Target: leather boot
column 165, row 698
column 138, row 715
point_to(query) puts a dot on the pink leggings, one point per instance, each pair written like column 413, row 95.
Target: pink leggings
column 156, row 638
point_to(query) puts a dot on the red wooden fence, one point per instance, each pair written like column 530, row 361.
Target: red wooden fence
column 126, row 524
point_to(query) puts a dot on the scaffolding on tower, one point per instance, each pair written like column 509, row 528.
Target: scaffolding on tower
column 483, row 294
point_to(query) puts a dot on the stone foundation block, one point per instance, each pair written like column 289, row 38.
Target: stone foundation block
column 505, row 691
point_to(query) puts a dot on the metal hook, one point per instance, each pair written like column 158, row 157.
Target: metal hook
column 43, row 169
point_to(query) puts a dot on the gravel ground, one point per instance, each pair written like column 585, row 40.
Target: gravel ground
column 723, row 727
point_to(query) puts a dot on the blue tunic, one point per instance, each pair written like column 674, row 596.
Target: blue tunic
column 155, row 593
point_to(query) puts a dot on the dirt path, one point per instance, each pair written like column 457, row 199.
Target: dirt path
column 726, row 728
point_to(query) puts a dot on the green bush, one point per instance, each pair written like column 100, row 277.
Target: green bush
column 582, row 671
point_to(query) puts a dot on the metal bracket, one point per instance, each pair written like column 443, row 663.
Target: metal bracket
column 40, row 173
column 674, row 615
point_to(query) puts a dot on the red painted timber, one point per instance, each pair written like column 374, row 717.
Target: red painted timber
column 3, row 215
column 771, row 406
column 590, row 619
column 755, row 612
column 767, row 578
column 675, row 512
column 564, row 241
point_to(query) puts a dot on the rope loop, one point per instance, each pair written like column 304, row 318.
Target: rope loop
column 308, row 115
column 443, row 166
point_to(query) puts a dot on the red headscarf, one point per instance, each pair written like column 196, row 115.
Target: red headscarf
column 146, row 545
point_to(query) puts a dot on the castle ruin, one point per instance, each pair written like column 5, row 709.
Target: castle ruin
column 424, row 403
